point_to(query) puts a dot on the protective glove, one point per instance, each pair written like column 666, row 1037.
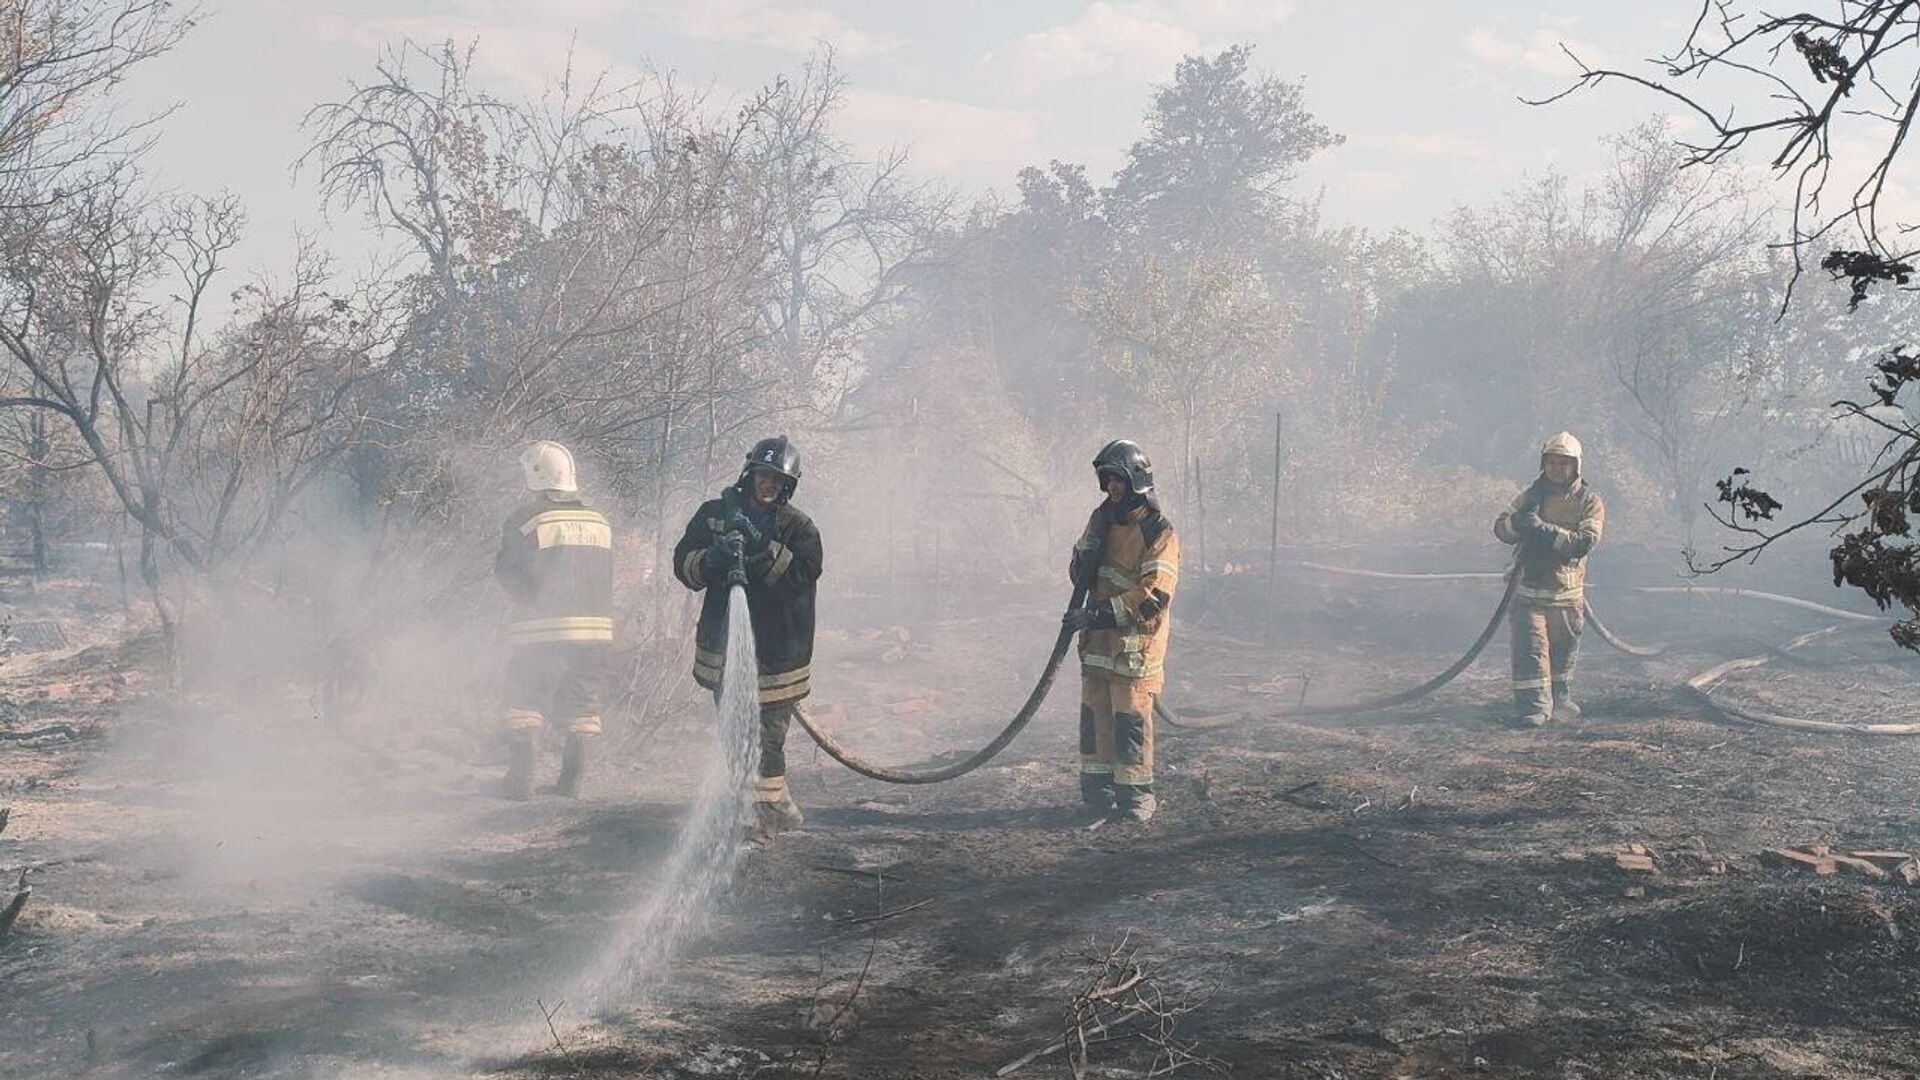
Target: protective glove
column 1529, row 523
column 721, row 555
column 756, row 540
column 1092, row 617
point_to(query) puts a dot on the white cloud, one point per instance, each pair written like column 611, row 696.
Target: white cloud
column 775, row 24
column 1140, row 40
column 945, row 136
column 1542, row 51
column 524, row 56
column 1133, row 40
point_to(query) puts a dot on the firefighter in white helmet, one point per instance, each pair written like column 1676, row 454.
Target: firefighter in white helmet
column 1556, row 522
column 556, row 563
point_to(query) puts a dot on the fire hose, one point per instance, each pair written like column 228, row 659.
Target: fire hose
column 1700, row 686
column 889, row 775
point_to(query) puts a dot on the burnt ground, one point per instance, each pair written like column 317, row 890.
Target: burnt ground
column 1441, row 901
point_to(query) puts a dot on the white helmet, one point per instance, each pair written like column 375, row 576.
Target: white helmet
column 1563, row 445
column 549, row 467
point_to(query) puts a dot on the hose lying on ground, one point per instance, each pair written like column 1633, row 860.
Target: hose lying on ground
column 1644, row 652
column 1755, row 594
column 980, row 757
column 1189, row 721
column 1366, row 705
column 1701, row 686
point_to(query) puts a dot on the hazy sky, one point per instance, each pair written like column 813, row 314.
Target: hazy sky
column 1424, row 91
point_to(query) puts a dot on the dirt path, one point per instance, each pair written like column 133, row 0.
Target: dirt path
column 1440, row 902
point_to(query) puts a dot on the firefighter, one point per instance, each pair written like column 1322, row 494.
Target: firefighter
column 556, row 563
column 1555, row 522
column 753, row 530
column 1128, row 560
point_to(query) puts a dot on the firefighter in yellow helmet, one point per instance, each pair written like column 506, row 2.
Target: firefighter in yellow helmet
column 1129, row 561
column 1556, row 522
column 556, row 563
column 752, row 529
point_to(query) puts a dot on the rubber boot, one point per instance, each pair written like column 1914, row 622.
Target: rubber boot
column 774, row 810
column 1565, row 707
column 1530, row 710
column 575, row 762
column 1096, row 797
column 1134, row 803
column 518, row 783
column 1096, row 790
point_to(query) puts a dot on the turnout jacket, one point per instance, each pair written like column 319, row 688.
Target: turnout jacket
column 1553, row 568
column 780, row 594
column 1130, row 559
column 556, row 563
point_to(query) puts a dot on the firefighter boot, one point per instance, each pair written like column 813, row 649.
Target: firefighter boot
column 575, row 762
column 1564, row 706
column 1530, row 711
column 774, row 810
column 1134, row 802
column 1096, row 791
column 518, row 783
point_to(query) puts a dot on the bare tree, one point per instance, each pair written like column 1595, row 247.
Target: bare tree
column 1830, row 80
column 846, row 234
column 59, row 59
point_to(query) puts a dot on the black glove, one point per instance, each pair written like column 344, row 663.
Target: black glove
column 1528, row 523
column 756, row 540
column 721, row 555
column 1091, row 617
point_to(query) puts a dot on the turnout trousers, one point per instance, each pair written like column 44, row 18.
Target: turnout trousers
column 1546, row 641
column 1116, row 730
column 557, row 682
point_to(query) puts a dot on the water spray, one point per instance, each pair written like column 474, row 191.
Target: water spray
column 678, row 902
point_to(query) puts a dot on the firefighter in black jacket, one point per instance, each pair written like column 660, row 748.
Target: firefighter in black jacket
column 556, row 562
column 753, row 525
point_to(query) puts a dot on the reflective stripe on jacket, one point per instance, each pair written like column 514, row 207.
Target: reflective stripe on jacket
column 780, row 596
column 1139, row 567
column 556, row 562
column 1553, row 569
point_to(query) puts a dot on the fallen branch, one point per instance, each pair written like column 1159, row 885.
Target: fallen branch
column 67, row 730
column 1120, row 991
column 889, row 914
column 548, row 1015
column 854, row 871
column 1104, row 1028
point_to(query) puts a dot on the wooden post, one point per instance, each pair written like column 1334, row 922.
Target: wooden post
column 1273, row 536
column 1200, row 523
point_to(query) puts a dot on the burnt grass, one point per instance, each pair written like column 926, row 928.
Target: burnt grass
column 1416, row 893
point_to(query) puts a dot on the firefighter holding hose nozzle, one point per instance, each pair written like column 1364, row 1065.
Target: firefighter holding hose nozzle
column 753, row 537
column 1556, row 523
column 1126, row 564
